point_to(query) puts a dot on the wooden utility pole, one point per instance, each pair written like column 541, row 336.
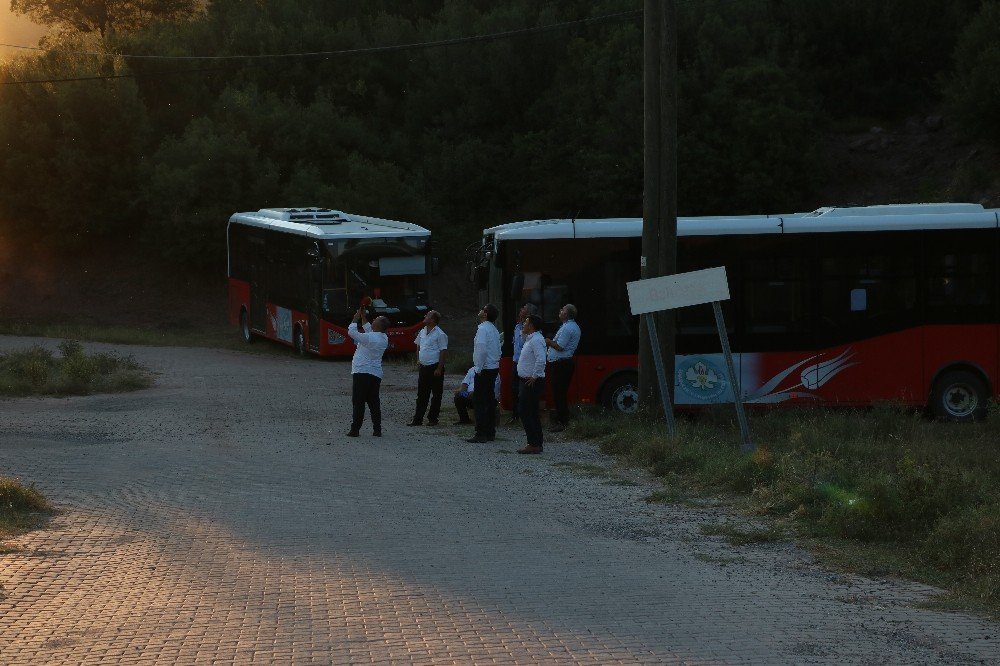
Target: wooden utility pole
column 659, row 198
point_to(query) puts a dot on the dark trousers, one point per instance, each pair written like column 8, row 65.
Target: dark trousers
column 365, row 392
column 562, row 374
column 515, row 391
column 428, row 385
column 486, row 403
column 530, row 419
column 462, row 405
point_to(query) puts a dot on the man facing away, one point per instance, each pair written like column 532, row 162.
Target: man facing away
column 526, row 309
column 432, row 343
column 366, row 370
column 560, row 353
column 531, row 375
column 486, row 359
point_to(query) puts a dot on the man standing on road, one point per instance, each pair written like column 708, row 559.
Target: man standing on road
column 561, row 350
column 531, row 375
column 366, row 369
column 486, row 359
column 433, row 347
column 526, row 309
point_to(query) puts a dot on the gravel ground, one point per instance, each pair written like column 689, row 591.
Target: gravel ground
column 222, row 516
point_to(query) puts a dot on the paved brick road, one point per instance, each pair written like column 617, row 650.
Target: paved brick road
column 208, row 520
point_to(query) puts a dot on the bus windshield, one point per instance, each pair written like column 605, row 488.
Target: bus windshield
column 392, row 272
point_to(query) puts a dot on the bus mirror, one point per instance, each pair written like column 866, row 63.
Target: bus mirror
column 435, row 265
column 313, row 251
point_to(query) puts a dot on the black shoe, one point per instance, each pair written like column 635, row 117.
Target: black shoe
column 353, row 433
column 432, row 422
column 415, row 422
column 462, row 423
column 530, row 450
column 477, row 440
column 377, row 433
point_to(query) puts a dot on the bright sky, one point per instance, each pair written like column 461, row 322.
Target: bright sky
column 16, row 30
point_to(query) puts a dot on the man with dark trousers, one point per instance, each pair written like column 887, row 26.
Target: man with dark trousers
column 432, row 344
column 560, row 353
column 518, row 340
column 366, row 370
column 486, row 359
column 531, row 374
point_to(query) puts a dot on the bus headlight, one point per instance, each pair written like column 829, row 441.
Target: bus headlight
column 334, row 338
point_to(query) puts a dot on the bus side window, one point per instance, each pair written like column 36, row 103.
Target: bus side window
column 960, row 277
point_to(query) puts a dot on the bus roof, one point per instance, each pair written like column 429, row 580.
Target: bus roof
column 823, row 220
column 325, row 223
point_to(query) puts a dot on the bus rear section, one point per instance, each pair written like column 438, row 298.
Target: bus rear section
column 298, row 275
column 836, row 307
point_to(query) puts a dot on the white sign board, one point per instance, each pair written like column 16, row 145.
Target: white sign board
column 678, row 291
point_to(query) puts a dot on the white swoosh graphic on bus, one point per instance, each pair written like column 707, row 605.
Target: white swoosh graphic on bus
column 812, row 378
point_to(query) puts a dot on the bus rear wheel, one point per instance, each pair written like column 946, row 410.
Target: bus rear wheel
column 300, row 341
column 621, row 393
column 959, row 395
column 245, row 332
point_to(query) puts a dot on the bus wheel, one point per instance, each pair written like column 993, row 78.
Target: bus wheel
column 621, row 393
column 959, row 395
column 300, row 341
column 245, row 327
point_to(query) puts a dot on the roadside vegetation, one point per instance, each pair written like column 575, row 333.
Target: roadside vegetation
column 38, row 371
column 22, row 508
column 883, row 491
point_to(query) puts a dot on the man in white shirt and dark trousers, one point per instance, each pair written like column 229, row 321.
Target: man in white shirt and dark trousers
column 531, row 375
column 561, row 350
column 433, row 347
column 366, row 370
column 486, row 359
column 515, row 386
column 465, row 398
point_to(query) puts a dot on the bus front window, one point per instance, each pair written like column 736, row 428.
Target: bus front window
column 390, row 272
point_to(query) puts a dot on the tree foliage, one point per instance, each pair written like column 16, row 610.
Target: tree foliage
column 456, row 138
column 103, row 16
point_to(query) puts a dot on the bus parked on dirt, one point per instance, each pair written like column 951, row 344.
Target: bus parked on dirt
column 839, row 306
column 298, row 275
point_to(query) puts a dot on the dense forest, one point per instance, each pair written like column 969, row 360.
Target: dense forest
column 455, row 137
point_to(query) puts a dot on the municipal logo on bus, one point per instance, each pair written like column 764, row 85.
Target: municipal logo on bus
column 701, row 379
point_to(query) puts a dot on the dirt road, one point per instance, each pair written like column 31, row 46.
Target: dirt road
column 223, row 516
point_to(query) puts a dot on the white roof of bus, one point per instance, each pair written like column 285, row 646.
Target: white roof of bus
column 324, row 223
column 870, row 218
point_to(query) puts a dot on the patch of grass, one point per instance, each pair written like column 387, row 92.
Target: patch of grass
column 739, row 536
column 592, row 471
column 37, row 371
column 882, row 491
column 22, row 508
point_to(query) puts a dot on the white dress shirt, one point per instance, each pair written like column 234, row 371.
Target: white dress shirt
column 567, row 337
column 368, row 356
column 518, row 340
column 532, row 361
column 486, row 347
column 431, row 345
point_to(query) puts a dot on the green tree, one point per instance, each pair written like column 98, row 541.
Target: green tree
column 103, row 16
column 973, row 89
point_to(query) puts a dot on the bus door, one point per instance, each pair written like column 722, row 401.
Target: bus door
column 258, row 267
column 315, row 297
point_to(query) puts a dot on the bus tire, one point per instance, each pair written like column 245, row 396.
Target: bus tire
column 245, row 331
column 299, row 340
column 959, row 395
column 620, row 393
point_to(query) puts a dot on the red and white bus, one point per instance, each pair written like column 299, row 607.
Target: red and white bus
column 840, row 306
column 298, row 275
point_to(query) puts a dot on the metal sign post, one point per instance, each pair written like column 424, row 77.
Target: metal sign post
column 678, row 291
column 668, row 410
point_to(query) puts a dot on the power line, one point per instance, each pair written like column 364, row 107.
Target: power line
column 506, row 34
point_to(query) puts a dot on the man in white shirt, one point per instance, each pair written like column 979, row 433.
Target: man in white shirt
column 531, row 374
column 561, row 350
column 486, row 359
column 464, row 397
column 366, row 370
column 526, row 309
column 433, row 348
